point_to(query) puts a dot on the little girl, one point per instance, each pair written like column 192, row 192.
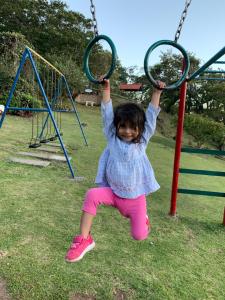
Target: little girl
column 125, row 175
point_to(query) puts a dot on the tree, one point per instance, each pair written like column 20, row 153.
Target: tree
column 169, row 71
column 55, row 32
column 50, row 27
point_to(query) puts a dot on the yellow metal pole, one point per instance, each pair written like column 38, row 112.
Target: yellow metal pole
column 42, row 58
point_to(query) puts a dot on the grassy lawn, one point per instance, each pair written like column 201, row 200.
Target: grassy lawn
column 183, row 258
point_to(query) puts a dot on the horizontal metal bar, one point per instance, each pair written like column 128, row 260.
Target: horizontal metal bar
column 63, row 110
column 203, row 193
column 203, row 151
column 37, row 109
column 206, row 78
column 214, row 71
column 27, row 109
column 207, row 64
column 201, row 172
column 219, row 62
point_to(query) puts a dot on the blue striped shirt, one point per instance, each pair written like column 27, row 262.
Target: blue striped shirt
column 124, row 166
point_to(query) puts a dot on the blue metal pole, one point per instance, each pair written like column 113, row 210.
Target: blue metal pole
column 27, row 109
column 50, row 112
column 36, row 109
column 23, row 59
column 74, row 107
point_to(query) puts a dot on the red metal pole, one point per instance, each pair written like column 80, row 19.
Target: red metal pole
column 178, row 148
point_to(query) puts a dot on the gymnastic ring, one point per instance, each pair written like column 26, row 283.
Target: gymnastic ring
column 87, row 54
column 186, row 64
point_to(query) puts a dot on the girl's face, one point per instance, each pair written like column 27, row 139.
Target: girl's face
column 127, row 133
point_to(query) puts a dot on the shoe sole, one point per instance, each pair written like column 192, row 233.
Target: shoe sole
column 89, row 248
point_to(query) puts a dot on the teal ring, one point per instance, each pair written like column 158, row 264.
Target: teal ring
column 186, row 62
column 87, row 54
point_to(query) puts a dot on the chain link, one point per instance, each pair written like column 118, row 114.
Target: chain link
column 94, row 20
column 183, row 16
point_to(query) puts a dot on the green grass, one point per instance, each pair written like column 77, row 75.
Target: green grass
column 40, row 211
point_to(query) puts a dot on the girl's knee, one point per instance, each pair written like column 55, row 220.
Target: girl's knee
column 90, row 202
column 91, row 194
column 139, row 236
column 97, row 196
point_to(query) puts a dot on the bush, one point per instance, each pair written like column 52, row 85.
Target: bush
column 205, row 130
column 72, row 72
column 12, row 46
column 27, row 100
column 21, row 100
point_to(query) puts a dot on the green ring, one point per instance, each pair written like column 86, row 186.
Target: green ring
column 87, row 54
column 186, row 61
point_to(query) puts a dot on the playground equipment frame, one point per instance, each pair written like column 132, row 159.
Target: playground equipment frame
column 179, row 149
column 27, row 54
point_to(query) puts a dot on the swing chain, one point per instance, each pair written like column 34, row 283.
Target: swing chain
column 94, row 20
column 183, row 16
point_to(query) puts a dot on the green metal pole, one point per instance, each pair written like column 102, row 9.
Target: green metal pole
column 207, row 64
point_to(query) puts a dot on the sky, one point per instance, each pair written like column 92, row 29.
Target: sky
column 134, row 26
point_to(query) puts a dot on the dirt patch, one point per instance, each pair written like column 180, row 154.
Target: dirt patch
column 3, row 254
column 120, row 295
column 80, row 297
column 3, row 292
column 117, row 295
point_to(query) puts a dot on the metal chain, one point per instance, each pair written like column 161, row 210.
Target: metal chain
column 94, row 20
column 183, row 16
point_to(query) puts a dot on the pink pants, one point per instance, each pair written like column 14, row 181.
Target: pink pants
column 134, row 209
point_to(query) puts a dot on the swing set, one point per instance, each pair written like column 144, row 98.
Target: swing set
column 182, row 83
column 50, row 92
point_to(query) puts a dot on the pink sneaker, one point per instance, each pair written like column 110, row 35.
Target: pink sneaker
column 148, row 224
column 80, row 246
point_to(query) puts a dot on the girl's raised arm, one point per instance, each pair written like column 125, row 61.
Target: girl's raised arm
column 106, row 91
column 152, row 112
column 107, row 110
column 157, row 93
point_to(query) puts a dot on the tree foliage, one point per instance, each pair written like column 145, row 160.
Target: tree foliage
column 55, row 32
column 203, row 97
column 205, row 130
column 50, row 27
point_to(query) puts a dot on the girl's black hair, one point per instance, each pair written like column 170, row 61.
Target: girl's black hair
column 132, row 114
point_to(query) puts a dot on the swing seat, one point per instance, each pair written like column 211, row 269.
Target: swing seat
column 44, row 141
column 35, row 145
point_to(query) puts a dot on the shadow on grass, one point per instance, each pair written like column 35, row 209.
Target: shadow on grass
column 200, row 225
column 166, row 142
